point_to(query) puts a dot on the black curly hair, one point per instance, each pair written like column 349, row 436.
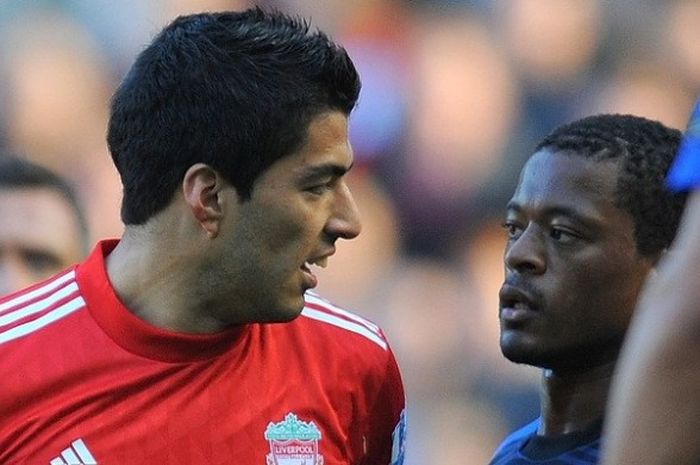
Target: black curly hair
column 646, row 149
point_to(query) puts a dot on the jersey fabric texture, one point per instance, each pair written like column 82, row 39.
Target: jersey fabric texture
column 83, row 380
column 685, row 172
column 525, row 447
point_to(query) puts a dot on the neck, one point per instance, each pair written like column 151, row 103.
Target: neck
column 573, row 401
column 154, row 278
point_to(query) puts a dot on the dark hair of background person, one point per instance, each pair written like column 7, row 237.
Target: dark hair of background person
column 17, row 172
column 233, row 90
column 646, row 149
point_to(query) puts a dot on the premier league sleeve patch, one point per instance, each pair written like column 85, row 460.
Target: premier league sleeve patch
column 398, row 447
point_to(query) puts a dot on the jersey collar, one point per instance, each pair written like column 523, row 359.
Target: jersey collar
column 134, row 334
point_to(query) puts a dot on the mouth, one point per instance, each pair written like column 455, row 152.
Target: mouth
column 310, row 279
column 516, row 306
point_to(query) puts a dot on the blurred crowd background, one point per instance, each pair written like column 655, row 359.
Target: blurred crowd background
column 455, row 95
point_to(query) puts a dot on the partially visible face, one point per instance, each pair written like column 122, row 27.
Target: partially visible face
column 298, row 208
column 573, row 273
column 39, row 236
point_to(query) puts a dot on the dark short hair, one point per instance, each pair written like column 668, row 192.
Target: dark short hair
column 233, row 90
column 17, row 172
column 646, row 149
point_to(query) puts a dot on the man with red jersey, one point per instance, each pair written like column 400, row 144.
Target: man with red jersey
column 193, row 339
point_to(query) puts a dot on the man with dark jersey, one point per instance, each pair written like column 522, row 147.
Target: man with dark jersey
column 587, row 223
column 42, row 225
column 654, row 409
column 194, row 339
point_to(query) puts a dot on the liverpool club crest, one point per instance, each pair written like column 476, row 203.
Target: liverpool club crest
column 293, row 442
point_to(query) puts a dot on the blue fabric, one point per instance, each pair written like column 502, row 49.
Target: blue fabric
column 510, row 452
column 685, row 172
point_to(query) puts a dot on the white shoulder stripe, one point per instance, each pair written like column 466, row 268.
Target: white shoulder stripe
column 313, row 298
column 45, row 320
column 345, row 324
column 76, row 454
column 82, row 450
column 69, row 456
column 46, row 288
column 39, row 305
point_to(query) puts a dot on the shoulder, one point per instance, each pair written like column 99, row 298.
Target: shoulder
column 330, row 320
column 340, row 341
column 38, row 308
column 42, row 332
column 355, row 354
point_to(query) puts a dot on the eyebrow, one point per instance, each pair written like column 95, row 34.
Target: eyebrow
column 324, row 170
column 557, row 210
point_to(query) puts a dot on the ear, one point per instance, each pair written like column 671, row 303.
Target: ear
column 202, row 188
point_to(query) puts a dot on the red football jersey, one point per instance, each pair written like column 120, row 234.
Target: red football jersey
column 83, row 380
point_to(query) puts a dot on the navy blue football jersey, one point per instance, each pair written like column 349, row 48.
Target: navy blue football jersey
column 525, row 447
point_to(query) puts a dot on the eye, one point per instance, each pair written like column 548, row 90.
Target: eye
column 319, row 189
column 513, row 229
column 322, row 188
column 563, row 236
column 40, row 261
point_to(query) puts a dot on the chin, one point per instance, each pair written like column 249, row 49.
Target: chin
column 518, row 351
column 280, row 310
column 289, row 310
column 290, row 314
column 519, row 357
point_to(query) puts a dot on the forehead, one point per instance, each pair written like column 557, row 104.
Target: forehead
column 550, row 180
column 39, row 218
column 327, row 134
column 326, row 144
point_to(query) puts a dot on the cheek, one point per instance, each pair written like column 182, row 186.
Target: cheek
column 288, row 232
column 610, row 294
column 578, row 292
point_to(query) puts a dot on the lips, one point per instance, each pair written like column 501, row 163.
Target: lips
column 516, row 305
column 310, row 279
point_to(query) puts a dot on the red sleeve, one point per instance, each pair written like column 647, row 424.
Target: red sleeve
column 386, row 429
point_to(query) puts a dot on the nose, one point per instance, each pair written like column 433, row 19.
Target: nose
column 345, row 220
column 526, row 253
